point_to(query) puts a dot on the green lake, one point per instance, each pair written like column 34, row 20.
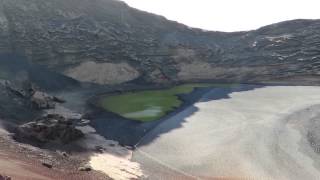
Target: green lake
column 149, row 105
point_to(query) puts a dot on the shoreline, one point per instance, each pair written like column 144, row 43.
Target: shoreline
column 105, row 122
column 240, row 132
column 108, row 156
column 102, row 119
column 134, row 132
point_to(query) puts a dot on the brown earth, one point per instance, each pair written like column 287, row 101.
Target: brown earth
column 24, row 162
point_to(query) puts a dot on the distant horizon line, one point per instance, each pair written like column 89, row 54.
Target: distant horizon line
column 193, row 26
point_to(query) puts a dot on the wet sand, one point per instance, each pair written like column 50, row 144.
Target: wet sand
column 112, row 159
column 264, row 133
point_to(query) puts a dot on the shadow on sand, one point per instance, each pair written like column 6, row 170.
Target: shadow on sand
column 134, row 133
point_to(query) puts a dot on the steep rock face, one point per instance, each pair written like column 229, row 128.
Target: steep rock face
column 22, row 102
column 13, row 102
column 65, row 34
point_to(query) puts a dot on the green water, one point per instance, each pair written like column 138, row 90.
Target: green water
column 149, row 105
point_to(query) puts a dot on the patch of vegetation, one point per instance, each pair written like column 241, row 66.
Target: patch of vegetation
column 149, row 105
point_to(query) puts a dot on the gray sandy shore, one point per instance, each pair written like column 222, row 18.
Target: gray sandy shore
column 264, row 133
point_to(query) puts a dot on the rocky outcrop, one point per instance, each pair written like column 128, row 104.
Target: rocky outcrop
column 126, row 44
column 85, row 168
column 14, row 102
column 42, row 100
column 22, row 102
column 51, row 128
column 2, row 177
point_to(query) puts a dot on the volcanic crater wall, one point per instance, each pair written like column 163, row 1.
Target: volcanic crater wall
column 107, row 42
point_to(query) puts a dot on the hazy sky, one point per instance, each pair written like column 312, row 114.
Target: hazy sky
column 230, row 15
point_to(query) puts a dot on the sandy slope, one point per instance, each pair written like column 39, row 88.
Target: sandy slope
column 15, row 167
column 24, row 162
column 19, row 169
column 259, row 134
column 115, row 160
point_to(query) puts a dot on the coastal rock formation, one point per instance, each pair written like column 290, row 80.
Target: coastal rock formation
column 14, row 102
column 2, row 177
column 42, row 100
column 62, row 46
column 21, row 101
column 74, row 37
column 51, row 128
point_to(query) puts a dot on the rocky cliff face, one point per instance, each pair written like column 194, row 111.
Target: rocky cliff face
column 107, row 42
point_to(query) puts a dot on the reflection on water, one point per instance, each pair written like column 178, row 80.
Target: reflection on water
column 149, row 112
column 150, row 105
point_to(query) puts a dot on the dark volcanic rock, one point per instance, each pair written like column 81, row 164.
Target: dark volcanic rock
column 42, row 100
column 47, row 164
column 87, row 39
column 2, row 177
column 14, row 103
column 52, row 128
column 85, row 168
